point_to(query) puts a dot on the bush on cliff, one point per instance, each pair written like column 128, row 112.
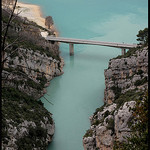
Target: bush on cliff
column 18, row 107
column 27, row 35
column 139, row 136
column 142, row 36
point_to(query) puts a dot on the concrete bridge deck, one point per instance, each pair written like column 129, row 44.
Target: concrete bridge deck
column 72, row 41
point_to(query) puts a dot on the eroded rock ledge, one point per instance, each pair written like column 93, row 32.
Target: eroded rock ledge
column 30, row 65
column 125, row 80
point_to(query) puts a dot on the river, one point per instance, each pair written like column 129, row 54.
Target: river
column 80, row 90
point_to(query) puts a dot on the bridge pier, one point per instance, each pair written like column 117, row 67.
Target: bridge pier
column 123, row 51
column 71, row 41
column 71, row 49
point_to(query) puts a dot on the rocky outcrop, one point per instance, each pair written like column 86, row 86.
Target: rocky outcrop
column 29, row 66
column 22, row 130
column 122, row 117
column 33, row 64
column 124, row 74
column 126, row 78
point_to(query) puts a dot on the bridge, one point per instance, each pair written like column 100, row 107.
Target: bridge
column 72, row 41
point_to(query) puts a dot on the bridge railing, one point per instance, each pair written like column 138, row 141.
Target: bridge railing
column 72, row 41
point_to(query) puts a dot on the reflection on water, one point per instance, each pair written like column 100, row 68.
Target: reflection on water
column 71, row 61
column 80, row 90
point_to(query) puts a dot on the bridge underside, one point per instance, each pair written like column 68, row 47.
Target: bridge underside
column 71, row 49
column 71, row 43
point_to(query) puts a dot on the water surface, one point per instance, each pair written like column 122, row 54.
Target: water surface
column 80, row 90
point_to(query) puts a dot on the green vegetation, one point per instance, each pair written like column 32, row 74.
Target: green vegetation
column 139, row 136
column 49, row 21
column 27, row 44
column 100, row 109
column 141, row 82
column 129, row 53
column 31, row 83
column 140, row 72
column 143, row 38
column 89, row 133
column 17, row 107
column 117, row 91
column 97, row 122
column 111, row 124
column 130, row 95
column 29, row 37
column 138, row 122
column 28, row 82
column 42, row 80
column 34, row 134
column 38, row 26
column 107, row 113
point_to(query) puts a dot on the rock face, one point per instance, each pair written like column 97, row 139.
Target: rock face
column 19, row 132
column 36, row 66
column 122, row 117
column 125, row 80
column 28, row 69
column 125, row 73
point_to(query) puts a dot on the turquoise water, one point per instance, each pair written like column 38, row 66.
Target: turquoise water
column 80, row 90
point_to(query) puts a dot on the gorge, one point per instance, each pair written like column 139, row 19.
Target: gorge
column 80, row 90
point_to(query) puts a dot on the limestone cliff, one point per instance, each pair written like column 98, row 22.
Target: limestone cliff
column 124, row 74
column 126, row 79
column 30, row 62
column 39, row 67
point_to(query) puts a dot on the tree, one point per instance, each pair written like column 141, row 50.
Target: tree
column 49, row 21
column 143, row 36
column 14, row 37
column 5, row 28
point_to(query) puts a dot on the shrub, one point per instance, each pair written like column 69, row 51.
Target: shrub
column 106, row 113
column 127, row 96
column 139, row 135
column 111, row 124
column 141, row 82
column 89, row 133
column 140, row 72
column 99, row 109
column 117, row 91
column 96, row 122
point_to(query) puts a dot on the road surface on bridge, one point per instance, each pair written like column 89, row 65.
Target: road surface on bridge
column 90, row 42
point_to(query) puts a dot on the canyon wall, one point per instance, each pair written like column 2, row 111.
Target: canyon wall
column 126, row 80
column 30, row 62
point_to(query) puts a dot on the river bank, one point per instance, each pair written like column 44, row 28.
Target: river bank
column 34, row 13
column 80, row 90
column 22, row 126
